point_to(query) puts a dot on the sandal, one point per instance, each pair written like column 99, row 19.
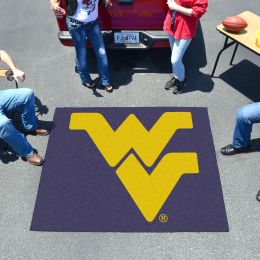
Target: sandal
column 108, row 88
column 89, row 85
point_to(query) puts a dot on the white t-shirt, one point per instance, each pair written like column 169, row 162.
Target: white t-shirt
column 87, row 11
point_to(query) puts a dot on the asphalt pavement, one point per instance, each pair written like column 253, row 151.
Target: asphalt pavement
column 28, row 31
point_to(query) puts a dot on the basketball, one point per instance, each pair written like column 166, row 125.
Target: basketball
column 234, row 23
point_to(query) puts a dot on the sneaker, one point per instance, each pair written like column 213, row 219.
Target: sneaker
column 178, row 86
column 170, row 83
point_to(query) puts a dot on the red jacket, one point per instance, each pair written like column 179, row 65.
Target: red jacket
column 185, row 26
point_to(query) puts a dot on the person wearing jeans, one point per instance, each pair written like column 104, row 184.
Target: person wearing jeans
column 178, row 48
column 246, row 116
column 19, row 101
column 82, row 23
column 180, row 24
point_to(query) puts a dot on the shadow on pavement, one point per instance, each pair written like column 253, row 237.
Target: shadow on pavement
column 255, row 145
column 6, row 154
column 40, row 109
column 194, row 59
column 125, row 63
column 245, row 78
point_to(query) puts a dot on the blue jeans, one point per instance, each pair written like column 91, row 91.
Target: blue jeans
column 80, row 33
column 178, row 48
column 17, row 101
column 246, row 116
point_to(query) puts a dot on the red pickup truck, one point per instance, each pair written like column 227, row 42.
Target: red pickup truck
column 132, row 24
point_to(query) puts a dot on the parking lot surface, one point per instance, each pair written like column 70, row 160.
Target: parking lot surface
column 28, row 31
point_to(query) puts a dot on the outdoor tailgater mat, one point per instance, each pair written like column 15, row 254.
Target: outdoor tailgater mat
column 130, row 170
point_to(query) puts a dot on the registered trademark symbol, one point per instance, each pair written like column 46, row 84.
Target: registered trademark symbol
column 163, row 218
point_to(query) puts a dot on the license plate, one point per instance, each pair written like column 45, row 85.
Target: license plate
column 126, row 37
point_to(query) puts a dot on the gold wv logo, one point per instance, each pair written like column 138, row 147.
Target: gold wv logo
column 149, row 192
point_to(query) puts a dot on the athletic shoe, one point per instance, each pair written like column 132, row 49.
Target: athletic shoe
column 170, row 83
column 178, row 86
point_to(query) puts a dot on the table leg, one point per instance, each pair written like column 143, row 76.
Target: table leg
column 234, row 53
column 226, row 45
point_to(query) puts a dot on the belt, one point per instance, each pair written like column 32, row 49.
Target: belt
column 81, row 23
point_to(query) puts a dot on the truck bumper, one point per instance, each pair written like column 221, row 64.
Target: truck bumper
column 147, row 40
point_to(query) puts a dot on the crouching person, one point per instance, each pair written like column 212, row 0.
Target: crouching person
column 247, row 115
column 19, row 101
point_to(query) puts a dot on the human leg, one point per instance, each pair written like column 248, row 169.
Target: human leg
column 178, row 50
column 22, row 101
column 246, row 116
column 170, row 83
column 178, row 47
column 78, row 35
column 13, row 137
column 171, row 40
column 96, row 39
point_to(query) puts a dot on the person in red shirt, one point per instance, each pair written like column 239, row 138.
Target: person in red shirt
column 180, row 24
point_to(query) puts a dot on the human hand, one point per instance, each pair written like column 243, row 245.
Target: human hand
column 58, row 11
column 18, row 75
column 172, row 5
column 108, row 3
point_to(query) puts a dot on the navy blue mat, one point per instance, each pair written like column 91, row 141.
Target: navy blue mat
column 130, row 170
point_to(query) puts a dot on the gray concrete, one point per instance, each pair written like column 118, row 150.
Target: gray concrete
column 28, row 31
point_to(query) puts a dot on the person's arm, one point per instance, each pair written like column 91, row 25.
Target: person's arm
column 58, row 11
column 108, row 3
column 197, row 10
column 180, row 9
column 18, row 75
